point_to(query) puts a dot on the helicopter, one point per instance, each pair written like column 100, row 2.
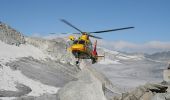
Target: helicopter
column 82, row 48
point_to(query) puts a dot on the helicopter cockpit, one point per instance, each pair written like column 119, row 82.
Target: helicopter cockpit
column 79, row 42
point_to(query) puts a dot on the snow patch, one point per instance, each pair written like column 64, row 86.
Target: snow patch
column 7, row 98
column 11, row 52
column 109, row 51
column 108, row 61
column 9, row 78
column 127, row 57
column 122, row 56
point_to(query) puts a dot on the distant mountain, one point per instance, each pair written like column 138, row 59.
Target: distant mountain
column 10, row 35
column 160, row 56
column 116, row 55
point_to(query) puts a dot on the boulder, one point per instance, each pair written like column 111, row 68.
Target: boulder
column 146, row 92
column 88, row 87
column 159, row 96
column 147, row 96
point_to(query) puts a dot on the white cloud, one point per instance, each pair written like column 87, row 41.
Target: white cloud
column 147, row 47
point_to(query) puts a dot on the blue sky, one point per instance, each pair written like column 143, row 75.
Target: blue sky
column 151, row 18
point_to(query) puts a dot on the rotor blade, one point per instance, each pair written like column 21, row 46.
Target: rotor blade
column 52, row 33
column 76, row 33
column 112, row 30
column 57, row 33
column 63, row 33
column 66, row 22
column 95, row 36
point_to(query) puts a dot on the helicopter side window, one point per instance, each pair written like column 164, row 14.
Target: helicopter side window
column 81, row 42
column 75, row 42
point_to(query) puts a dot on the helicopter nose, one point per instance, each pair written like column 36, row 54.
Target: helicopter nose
column 78, row 47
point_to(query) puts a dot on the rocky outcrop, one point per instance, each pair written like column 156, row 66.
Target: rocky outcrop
column 160, row 56
column 22, row 90
column 146, row 92
column 83, row 83
column 87, row 87
column 91, row 85
column 55, row 47
column 10, row 35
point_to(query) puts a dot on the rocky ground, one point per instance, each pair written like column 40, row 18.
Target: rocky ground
column 42, row 69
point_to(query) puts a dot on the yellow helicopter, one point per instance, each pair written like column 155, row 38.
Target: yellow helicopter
column 82, row 47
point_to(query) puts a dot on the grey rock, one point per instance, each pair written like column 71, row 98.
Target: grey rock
column 167, row 96
column 56, row 48
column 146, row 92
column 160, row 56
column 130, row 97
column 42, row 97
column 158, row 88
column 48, row 72
column 158, row 96
column 138, row 92
column 10, row 35
column 22, row 90
column 147, row 96
column 88, row 87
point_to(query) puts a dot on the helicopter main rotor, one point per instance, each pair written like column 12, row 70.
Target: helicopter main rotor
column 89, row 33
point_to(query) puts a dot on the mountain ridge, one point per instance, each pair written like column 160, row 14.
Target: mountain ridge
column 10, row 36
column 48, row 65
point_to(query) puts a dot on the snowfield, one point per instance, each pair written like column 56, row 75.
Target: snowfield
column 108, row 61
column 12, row 52
column 128, row 71
column 46, row 76
column 9, row 78
column 121, row 56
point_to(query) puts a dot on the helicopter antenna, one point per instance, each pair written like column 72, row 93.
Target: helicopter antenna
column 66, row 22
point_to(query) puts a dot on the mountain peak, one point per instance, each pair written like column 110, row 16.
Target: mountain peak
column 9, row 35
